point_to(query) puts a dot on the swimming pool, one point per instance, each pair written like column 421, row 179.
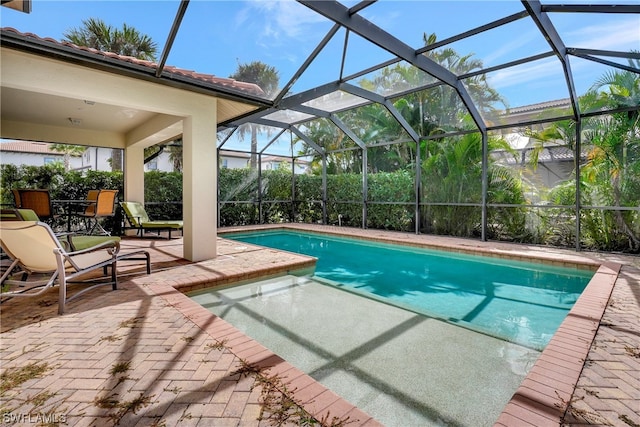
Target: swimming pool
column 520, row 302
column 402, row 368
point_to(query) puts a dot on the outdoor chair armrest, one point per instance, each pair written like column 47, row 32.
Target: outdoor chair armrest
column 112, row 247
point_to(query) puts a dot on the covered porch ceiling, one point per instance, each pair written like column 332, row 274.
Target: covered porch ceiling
column 61, row 93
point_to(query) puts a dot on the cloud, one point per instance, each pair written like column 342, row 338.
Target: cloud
column 621, row 35
column 506, row 47
column 545, row 69
column 281, row 20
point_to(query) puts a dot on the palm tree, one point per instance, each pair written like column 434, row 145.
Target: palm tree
column 614, row 161
column 436, row 109
column 611, row 174
column 126, row 41
column 452, row 173
column 327, row 135
column 267, row 78
column 175, row 154
column 68, row 150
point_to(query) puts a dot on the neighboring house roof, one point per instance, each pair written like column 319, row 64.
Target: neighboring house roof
column 548, row 154
column 282, row 159
column 249, row 88
column 237, row 154
column 542, row 106
column 30, row 147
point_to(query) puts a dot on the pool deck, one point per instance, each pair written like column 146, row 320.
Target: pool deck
column 148, row 355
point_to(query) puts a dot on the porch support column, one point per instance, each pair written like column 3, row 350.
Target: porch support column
column 133, row 176
column 198, row 185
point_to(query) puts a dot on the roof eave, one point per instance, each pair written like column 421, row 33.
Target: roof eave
column 54, row 50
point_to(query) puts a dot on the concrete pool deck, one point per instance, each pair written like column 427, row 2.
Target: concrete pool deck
column 176, row 373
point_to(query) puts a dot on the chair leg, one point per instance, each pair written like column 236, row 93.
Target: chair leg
column 135, row 256
column 62, row 294
column 96, row 227
column 8, row 271
column 87, row 226
column 101, row 229
column 114, row 276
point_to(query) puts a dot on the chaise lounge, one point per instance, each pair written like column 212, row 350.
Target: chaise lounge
column 139, row 220
column 31, row 246
column 34, row 250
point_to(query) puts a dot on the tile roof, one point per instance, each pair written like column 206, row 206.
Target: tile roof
column 249, row 88
column 227, row 153
column 558, row 103
column 28, row 147
column 283, row 159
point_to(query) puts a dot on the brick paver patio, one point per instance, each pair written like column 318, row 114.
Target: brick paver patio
column 148, row 355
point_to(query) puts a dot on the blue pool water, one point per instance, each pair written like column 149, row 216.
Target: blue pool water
column 515, row 301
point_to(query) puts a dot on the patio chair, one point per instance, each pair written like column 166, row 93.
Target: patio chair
column 11, row 215
column 78, row 242
column 138, row 219
column 34, row 250
column 38, row 200
column 99, row 204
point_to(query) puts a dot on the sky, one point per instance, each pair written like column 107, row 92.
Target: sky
column 216, row 36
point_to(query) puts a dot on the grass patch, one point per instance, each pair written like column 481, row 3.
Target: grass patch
column 111, row 338
column 130, row 323
column 124, row 407
column 218, row 345
column 14, row 377
column 120, row 368
column 279, row 406
column 632, row 351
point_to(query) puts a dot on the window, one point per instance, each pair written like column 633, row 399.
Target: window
column 50, row 160
column 225, row 163
column 152, row 165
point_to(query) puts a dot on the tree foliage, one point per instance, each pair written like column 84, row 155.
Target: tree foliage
column 268, row 79
column 127, row 41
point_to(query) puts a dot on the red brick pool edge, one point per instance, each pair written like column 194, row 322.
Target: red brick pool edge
column 544, row 396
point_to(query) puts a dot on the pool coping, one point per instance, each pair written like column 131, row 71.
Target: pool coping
column 544, row 396
column 608, row 380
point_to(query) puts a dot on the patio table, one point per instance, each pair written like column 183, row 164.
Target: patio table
column 70, row 207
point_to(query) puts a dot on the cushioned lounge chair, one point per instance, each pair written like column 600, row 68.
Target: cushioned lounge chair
column 34, row 250
column 77, row 242
column 138, row 219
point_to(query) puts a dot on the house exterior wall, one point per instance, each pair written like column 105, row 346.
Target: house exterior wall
column 93, row 158
column 32, row 153
column 283, row 163
column 161, row 163
column 232, row 162
column 35, row 159
column 97, row 159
